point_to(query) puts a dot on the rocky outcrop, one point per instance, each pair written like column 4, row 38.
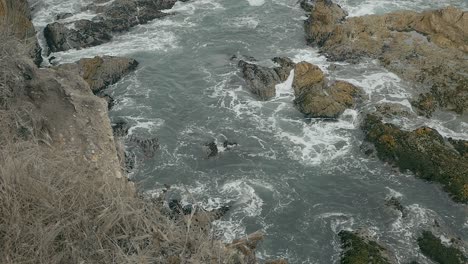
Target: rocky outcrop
column 432, row 247
column 100, row 72
column 262, row 80
column 361, row 248
column 15, row 19
column 315, row 97
column 422, row 151
column 117, row 16
column 427, row 48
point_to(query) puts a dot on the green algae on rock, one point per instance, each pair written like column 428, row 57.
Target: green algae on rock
column 361, row 250
column 422, row 151
column 432, row 247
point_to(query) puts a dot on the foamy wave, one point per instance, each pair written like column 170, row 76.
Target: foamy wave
column 256, row 2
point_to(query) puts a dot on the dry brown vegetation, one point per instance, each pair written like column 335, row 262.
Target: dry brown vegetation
column 56, row 208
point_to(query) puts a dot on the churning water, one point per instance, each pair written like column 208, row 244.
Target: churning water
column 301, row 181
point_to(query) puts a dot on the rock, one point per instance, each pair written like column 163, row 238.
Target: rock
column 432, row 247
column 286, row 65
column 315, row 98
column 229, row 145
column 390, row 110
column 460, row 145
column 16, row 16
column 359, row 248
column 100, row 72
column 422, row 151
column 85, row 34
column 117, row 16
column 428, row 48
column 212, row 149
column 120, row 128
column 63, row 16
column 148, row 146
column 396, row 204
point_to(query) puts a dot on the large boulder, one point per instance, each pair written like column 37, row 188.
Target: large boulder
column 262, row 80
column 15, row 19
column 427, row 48
column 85, row 33
column 433, row 248
column 117, row 16
column 359, row 247
column 100, row 72
column 315, row 97
column 422, row 151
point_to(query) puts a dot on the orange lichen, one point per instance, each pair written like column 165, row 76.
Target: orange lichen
column 388, row 140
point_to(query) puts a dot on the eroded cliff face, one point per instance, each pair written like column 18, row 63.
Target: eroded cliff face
column 15, row 19
column 428, row 48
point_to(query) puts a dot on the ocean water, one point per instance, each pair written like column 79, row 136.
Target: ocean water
column 301, row 181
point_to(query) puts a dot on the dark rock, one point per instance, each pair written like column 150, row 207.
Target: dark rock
column 100, row 72
column 432, row 247
column 120, row 128
column 423, row 151
column 358, row 249
column 396, row 204
column 261, row 80
column 460, row 145
column 117, row 16
column 148, row 146
column 63, row 16
column 228, row 145
column 392, row 110
column 85, row 34
column 212, row 149
column 129, row 161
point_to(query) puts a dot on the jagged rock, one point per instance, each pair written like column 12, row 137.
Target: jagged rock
column 120, row 128
column 117, row 16
column 316, row 98
column 85, row 34
column 261, row 80
column 427, row 48
column 432, row 247
column 16, row 16
column 100, row 72
column 212, row 149
column 460, row 145
column 361, row 248
column 148, row 146
column 423, row 151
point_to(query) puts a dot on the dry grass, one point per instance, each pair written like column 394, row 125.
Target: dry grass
column 55, row 209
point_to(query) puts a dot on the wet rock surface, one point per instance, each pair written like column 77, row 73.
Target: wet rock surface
column 117, row 16
column 316, row 97
column 100, row 72
column 428, row 48
column 262, row 80
column 422, row 151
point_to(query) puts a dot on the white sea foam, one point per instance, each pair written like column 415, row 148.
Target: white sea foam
column 256, row 2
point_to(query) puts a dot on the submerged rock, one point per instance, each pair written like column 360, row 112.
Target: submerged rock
column 212, row 149
column 427, row 48
column 422, row 151
column 100, row 72
column 359, row 248
column 316, row 98
column 396, row 205
column 262, row 80
column 117, row 16
column 432, row 247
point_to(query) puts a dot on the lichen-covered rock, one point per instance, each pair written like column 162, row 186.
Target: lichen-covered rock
column 423, row 151
column 117, row 16
column 427, row 48
column 16, row 17
column 100, row 72
column 361, row 249
column 392, row 110
column 432, row 247
column 262, row 80
column 316, row 98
